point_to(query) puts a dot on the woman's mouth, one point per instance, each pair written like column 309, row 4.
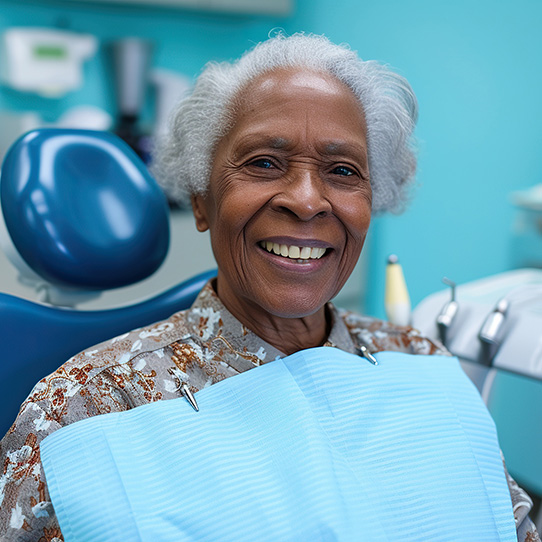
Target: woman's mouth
column 293, row 252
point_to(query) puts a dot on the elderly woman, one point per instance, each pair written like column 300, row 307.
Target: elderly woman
column 284, row 154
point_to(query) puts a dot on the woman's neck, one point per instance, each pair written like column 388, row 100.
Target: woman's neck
column 286, row 334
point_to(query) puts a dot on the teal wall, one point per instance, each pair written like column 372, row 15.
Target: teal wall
column 184, row 40
column 476, row 67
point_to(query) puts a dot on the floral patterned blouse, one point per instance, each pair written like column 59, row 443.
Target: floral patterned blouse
column 199, row 347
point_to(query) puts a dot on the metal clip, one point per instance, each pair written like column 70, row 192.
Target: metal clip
column 185, row 390
column 364, row 352
column 183, row 387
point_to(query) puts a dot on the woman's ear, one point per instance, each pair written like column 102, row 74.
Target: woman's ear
column 200, row 212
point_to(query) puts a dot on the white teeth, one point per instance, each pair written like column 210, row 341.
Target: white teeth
column 305, row 253
column 293, row 252
column 317, row 253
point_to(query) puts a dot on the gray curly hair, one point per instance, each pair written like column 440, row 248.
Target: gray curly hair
column 183, row 159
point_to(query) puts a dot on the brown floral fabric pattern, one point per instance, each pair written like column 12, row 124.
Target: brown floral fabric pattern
column 200, row 346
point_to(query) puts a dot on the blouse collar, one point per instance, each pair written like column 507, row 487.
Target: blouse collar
column 210, row 319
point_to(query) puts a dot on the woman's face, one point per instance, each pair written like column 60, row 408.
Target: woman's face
column 292, row 177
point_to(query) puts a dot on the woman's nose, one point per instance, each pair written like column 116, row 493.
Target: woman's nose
column 303, row 194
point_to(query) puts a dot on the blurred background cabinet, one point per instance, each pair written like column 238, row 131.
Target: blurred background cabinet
column 278, row 7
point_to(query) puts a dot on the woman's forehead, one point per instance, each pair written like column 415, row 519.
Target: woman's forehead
column 300, row 82
column 284, row 104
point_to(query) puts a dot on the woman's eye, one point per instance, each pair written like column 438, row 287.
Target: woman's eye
column 263, row 163
column 343, row 170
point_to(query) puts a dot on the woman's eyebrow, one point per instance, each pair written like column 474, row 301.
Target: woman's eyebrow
column 253, row 142
column 344, row 148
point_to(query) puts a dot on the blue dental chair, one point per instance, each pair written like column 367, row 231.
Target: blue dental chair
column 80, row 212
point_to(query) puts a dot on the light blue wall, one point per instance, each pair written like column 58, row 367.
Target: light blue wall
column 475, row 66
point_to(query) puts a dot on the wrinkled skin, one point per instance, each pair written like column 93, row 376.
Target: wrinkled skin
column 292, row 170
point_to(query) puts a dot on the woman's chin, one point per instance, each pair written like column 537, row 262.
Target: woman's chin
column 293, row 305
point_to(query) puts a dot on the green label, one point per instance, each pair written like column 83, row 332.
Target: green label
column 53, row 52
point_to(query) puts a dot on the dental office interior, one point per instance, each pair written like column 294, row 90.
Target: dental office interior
column 467, row 268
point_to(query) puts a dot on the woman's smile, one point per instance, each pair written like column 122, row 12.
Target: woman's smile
column 295, row 257
column 294, row 252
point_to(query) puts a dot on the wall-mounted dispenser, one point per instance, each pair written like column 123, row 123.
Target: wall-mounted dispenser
column 42, row 60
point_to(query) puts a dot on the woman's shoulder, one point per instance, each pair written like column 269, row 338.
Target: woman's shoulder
column 121, row 373
column 117, row 374
column 379, row 335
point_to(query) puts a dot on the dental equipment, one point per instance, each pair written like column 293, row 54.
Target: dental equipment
column 397, row 300
column 447, row 313
column 497, row 337
column 118, row 236
column 483, row 322
column 490, row 334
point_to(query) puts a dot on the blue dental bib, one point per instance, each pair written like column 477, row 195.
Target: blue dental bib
column 318, row 446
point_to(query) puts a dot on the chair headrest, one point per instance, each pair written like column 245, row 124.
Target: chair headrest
column 82, row 210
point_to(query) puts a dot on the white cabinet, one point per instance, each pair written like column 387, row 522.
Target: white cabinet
column 275, row 7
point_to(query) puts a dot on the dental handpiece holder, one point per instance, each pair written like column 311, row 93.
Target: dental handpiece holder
column 491, row 333
column 495, row 321
column 447, row 314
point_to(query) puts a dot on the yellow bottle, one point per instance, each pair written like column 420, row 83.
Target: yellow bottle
column 396, row 300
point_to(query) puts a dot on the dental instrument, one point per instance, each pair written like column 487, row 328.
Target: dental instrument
column 447, row 313
column 490, row 334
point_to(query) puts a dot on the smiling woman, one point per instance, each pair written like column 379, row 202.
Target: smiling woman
column 284, row 155
column 291, row 173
